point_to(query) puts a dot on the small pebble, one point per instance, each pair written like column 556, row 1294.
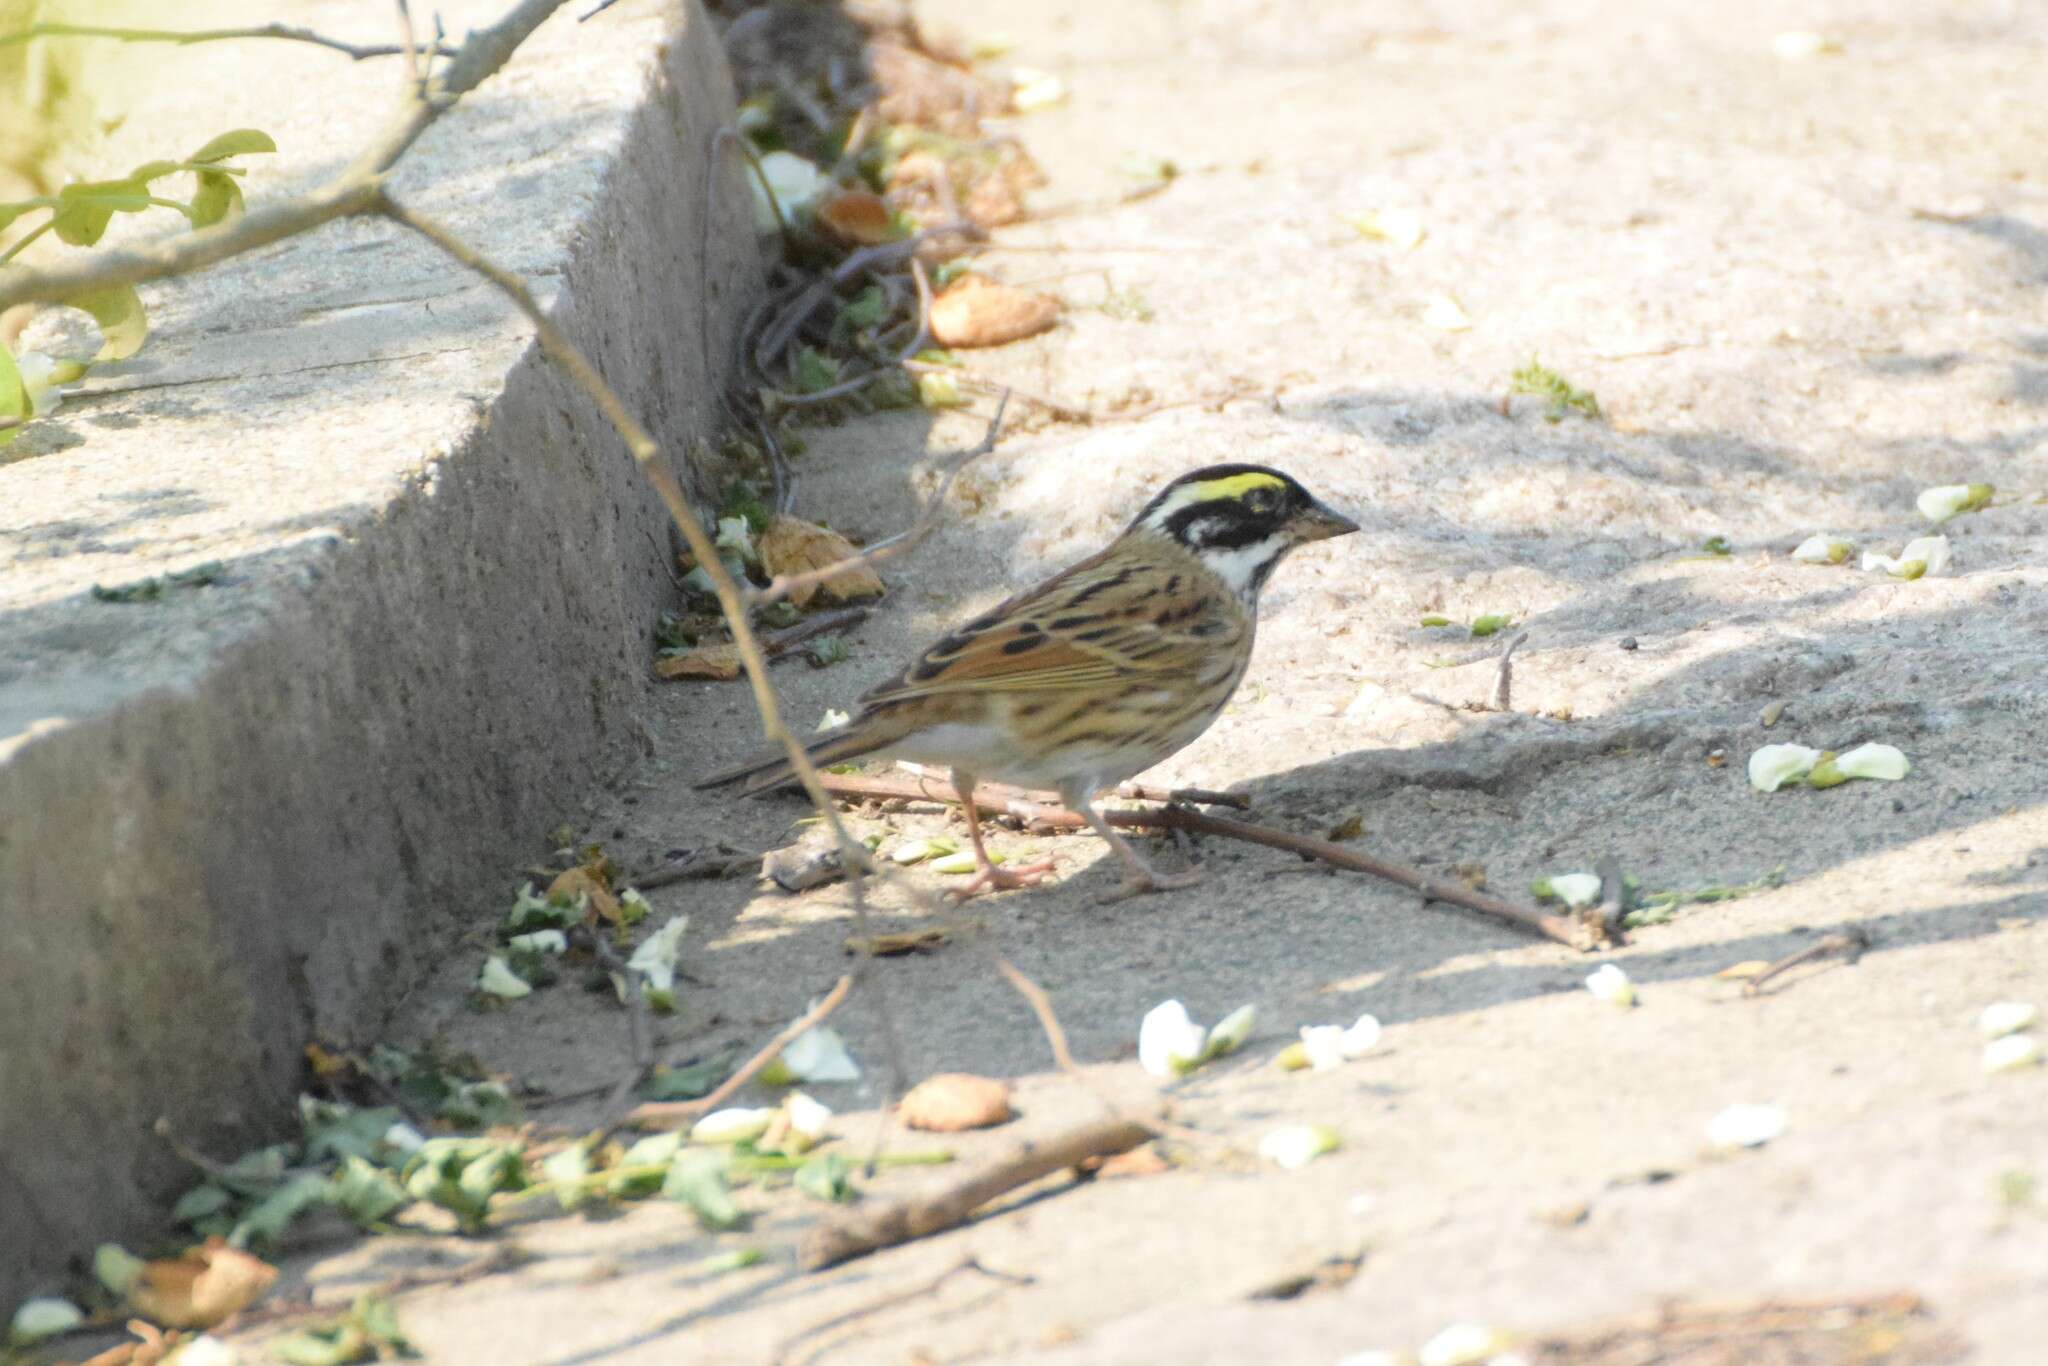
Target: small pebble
column 1628, row 642
column 1771, row 714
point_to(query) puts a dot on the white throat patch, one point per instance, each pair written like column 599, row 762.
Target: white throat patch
column 1244, row 567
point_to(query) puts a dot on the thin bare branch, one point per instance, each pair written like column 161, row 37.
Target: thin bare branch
column 187, row 37
column 1584, row 934
column 667, row 1114
column 355, row 191
column 860, row 1232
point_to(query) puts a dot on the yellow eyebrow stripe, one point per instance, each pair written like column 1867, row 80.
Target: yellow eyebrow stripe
column 1233, row 486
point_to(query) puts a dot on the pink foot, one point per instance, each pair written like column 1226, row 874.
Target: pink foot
column 994, row 879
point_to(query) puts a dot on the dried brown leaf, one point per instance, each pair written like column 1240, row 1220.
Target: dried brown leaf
column 976, row 311
column 1144, row 1161
column 892, row 945
column 859, row 216
column 952, row 1101
column 791, row 545
column 706, row 661
column 201, row 1286
column 582, row 882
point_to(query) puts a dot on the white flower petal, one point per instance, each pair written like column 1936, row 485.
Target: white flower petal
column 41, row 1318
column 819, row 1054
column 795, row 183
column 1824, row 549
column 1230, row 1031
column 1033, row 89
column 1294, row 1146
column 498, row 979
column 1362, row 1037
column 38, row 378
column 1940, row 504
column 1746, row 1126
column 1169, row 1043
column 1610, row 984
column 2011, row 1053
column 807, row 1118
column 1798, row 45
column 540, row 941
column 1400, row 229
column 404, row 1138
column 1462, row 1344
column 1324, row 1045
column 1873, row 761
column 1933, row 551
column 205, row 1350
column 1446, row 314
column 658, row 951
column 735, row 1125
column 1775, row 765
column 2006, row 1017
column 1576, row 889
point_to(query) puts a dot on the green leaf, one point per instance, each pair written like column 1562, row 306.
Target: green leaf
column 267, row 1220
column 697, row 1179
column 123, row 324
column 201, row 1202
column 84, row 209
column 644, row 1167
column 336, row 1346
column 13, row 395
column 366, row 1192
column 256, row 1173
column 719, row 1263
column 866, row 308
column 341, row 1131
column 155, row 170
column 1491, row 623
column 240, row 142
column 116, row 1268
column 1437, row 621
column 370, row 1332
column 828, row 1177
column 567, row 1171
column 10, row 212
column 813, row 370
column 219, row 198
column 825, row 651
column 687, row 1083
column 461, row 1174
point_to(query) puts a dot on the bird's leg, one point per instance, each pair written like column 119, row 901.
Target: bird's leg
column 988, row 877
column 1143, row 876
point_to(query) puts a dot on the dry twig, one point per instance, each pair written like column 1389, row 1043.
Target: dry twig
column 1504, row 676
column 187, row 37
column 859, row 1232
column 1849, row 943
column 668, row 1114
column 1584, row 934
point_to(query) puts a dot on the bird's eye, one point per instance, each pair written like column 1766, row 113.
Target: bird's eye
column 1261, row 503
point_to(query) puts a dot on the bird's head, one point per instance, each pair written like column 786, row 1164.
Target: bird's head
column 1241, row 520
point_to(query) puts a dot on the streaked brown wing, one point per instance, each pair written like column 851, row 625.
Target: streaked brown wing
column 1139, row 609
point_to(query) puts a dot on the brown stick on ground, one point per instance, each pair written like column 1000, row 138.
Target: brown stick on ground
column 662, row 1114
column 1584, row 934
column 863, row 1231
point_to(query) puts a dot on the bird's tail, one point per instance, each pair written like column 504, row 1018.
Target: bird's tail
column 770, row 768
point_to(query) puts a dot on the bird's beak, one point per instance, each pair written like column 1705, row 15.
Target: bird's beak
column 1318, row 523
